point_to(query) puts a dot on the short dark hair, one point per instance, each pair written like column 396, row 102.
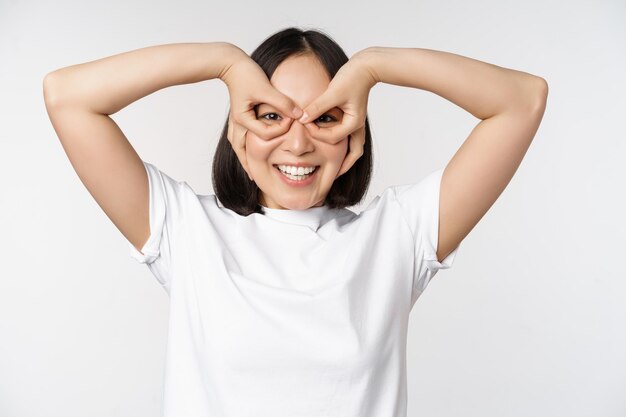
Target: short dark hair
column 232, row 185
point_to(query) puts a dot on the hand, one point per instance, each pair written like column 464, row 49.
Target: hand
column 349, row 91
column 248, row 86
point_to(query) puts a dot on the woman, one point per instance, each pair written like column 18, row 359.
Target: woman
column 282, row 301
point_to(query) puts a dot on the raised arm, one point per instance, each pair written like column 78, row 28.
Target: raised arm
column 79, row 100
column 510, row 104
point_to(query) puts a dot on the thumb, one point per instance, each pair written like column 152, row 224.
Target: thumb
column 316, row 108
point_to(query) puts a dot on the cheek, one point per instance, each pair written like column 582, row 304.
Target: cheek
column 258, row 150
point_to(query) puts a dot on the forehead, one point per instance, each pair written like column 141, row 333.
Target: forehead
column 301, row 78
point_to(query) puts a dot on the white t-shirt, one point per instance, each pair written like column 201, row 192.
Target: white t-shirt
column 296, row 313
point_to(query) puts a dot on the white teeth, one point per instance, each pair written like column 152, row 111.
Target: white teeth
column 296, row 170
column 296, row 173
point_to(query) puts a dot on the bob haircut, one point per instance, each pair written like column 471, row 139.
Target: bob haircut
column 232, row 185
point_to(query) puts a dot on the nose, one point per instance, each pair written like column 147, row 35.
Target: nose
column 297, row 139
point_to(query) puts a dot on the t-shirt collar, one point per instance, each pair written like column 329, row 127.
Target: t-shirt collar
column 311, row 217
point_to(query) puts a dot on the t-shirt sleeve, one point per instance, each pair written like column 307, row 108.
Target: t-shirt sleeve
column 419, row 204
column 165, row 200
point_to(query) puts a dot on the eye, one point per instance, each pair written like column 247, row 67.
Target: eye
column 274, row 116
column 270, row 114
column 331, row 118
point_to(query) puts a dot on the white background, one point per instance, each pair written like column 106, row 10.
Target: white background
column 530, row 321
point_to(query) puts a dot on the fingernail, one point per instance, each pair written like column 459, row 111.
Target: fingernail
column 304, row 118
column 296, row 112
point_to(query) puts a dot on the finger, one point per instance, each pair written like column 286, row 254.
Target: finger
column 335, row 133
column 276, row 99
column 263, row 130
column 319, row 106
column 283, row 103
column 356, row 144
column 229, row 135
column 239, row 146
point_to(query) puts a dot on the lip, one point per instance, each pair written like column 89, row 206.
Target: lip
column 295, row 183
column 297, row 164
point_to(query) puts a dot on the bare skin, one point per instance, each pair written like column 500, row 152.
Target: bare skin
column 80, row 98
column 509, row 103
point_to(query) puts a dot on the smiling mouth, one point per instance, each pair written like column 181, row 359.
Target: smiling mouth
column 297, row 177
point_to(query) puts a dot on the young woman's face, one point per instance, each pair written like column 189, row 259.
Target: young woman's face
column 301, row 78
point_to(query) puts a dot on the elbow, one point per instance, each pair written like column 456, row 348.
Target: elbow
column 49, row 96
column 542, row 95
column 534, row 95
column 542, row 87
column 531, row 97
column 52, row 89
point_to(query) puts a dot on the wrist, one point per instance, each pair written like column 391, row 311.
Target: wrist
column 367, row 58
column 230, row 54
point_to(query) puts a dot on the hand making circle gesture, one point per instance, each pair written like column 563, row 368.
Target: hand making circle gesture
column 248, row 86
column 349, row 91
